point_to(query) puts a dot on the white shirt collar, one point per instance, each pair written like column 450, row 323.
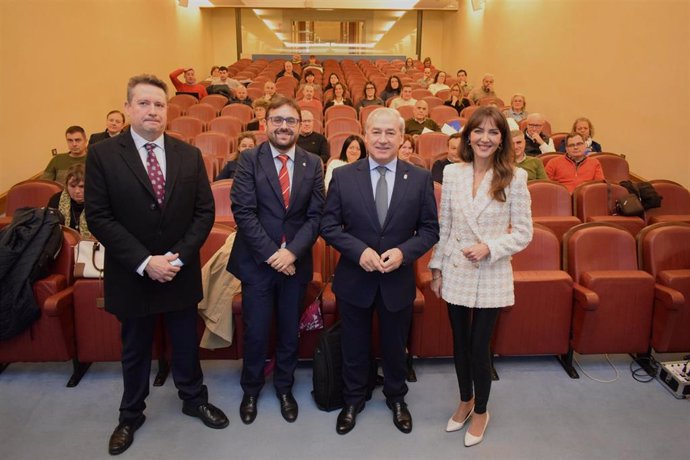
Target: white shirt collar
column 139, row 141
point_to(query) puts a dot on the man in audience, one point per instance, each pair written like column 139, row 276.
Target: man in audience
column 533, row 166
column 241, row 96
column 288, row 69
column 310, row 140
column 114, row 124
column 59, row 165
column 269, row 91
column 574, row 167
column 453, row 157
column 415, row 125
column 308, row 99
column 223, row 84
column 537, row 142
column 426, row 79
column 485, row 90
column 272, row 251
column 405, row 98
column 312, row 64
column 381, row 216
column 149, row 202
column 190, row 85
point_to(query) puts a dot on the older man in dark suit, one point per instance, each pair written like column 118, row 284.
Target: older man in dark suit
column 148, row 201
column 381, row 216
column 277, row 199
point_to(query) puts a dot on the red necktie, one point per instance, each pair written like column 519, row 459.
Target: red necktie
column 284, row 179
column 155, row 173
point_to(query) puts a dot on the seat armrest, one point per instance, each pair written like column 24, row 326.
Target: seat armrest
column 668, row 298
column 56, row 304
column 585, row 298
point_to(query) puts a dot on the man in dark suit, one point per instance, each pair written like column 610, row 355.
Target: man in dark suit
column 381, row 216
column 277, row 199
column 148, row 201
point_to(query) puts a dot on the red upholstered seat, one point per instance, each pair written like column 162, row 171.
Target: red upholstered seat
column 593, row 202
column 552, row 206
column 675, row 205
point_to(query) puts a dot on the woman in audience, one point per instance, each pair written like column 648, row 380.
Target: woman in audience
column 456, row 99
column 407, row 148
column 392, row 89
column 332, row 80
column 353, row 150
column 462, row 81
column 370, row 97
column 427, row 63
column 70, row 202
column 585, row 129
column 114, row 125
column 517, row 111
column 409, row 66
column 338, row 97
column 485, row 218
column 259, row 121
column 245, row 141
column 439, row 83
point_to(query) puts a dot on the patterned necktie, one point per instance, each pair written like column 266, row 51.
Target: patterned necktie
column 284, row 179
column 381, row 196
column 155, row 173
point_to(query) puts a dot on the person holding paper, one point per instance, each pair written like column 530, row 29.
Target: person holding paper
column 415, row 125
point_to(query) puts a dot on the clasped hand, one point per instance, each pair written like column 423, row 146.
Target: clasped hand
column 283, row 261
column 390, row 260
column 160, row 268
column 476, row 252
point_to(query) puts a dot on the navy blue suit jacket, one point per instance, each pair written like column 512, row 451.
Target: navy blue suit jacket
column 350, row 224
column 262, row 219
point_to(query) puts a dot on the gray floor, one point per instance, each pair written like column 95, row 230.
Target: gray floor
column 537, row 412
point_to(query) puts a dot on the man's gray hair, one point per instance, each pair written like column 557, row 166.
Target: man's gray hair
column 385, row 112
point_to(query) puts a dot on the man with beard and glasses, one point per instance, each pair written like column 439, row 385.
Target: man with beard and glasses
column 277, row 198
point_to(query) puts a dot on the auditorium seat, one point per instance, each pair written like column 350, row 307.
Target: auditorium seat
column 178, row 136
column 228, row 125
column 615, row 166
column 364, row 113
column 417, row 160
column 558, row 140
column 342, row 125
column 613, row 299
column 184, row 101
column 189, row 127
column 664, row 252
column 217, row 145
column 468, row 111
column 546, row 157
column 406, row 111
column 433, row 101
column 336, row 141
column 217, row 101
column 202, row 111
column 539, row 321
column 491, row 101
column 255, row 92
column 221, row 197
column 33, row 193
column 421, row 93
column 240, row 111
column 595, row 202
column 442, row 113
column 174, row 111
column 430, row 144
column 340, row 111
column 675, row 203
column 552, row 206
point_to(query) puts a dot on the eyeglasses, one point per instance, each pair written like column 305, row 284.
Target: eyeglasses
column 278, row 121
column 370, row 87
column 578, row 144
column 534, row 125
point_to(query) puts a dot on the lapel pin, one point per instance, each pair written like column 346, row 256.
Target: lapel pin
column 304, row 164
column 405, row 176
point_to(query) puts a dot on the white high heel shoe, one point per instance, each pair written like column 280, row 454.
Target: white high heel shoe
column 471, row 440
column 456, row 426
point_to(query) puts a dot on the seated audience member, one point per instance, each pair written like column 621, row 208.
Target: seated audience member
column 456, row 99
column 409, row 66
column 462, row 81
column 310, row 140
column 70, row 202
column 574, row 167
column 404, row 99
column 332, row 80
column 310, row 79
column 453, row 157
column 407, row 148
column 190, row 85
column 370, row 97
column 533, row 166
column 420, row 120
column 61, row 163
column 223, row 84
column 296, row 59
column 269, row 91
column 114, row 124
column 517, row 108
column 426, row 79
column 392, row 89
column 486, row 90
column 585, row 129
column 439, row 83
column 241, row 97
column 215, row 73
column 259, row 122
column 536, row 141
column 313, row 64
column 426, row 64
column 308, row 99
column 353, row 150
column 338, row 97
column 288, row 69
column 245, row 141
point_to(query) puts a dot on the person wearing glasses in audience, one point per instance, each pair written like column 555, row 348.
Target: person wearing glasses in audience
column 575, row 167
column 533, row 166
column 456, row 99
column 277, row 199
column 370, row 97
column 537, row 142
column 517, row 111
column 353, row 149
column 585, row 129
column 114, row 125
column 245, row 141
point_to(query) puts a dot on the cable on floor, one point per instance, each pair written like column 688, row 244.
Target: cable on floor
column 594, row 378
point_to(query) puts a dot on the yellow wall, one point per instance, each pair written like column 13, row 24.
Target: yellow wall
column 67, row 62
column 623, row 63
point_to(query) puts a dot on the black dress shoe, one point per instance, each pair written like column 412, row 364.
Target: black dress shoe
column 288, row 407
column 248, row 409
column 123, row 435
column 347, row 418
column 401, row 416
column 209, row 414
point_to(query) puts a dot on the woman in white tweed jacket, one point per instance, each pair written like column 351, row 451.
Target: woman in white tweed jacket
column 485, row 218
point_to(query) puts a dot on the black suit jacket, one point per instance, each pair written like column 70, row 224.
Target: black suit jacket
column 350, row 224
column 122, row 213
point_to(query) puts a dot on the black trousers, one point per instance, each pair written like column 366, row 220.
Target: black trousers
column 472, row 331
column 137, row 341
